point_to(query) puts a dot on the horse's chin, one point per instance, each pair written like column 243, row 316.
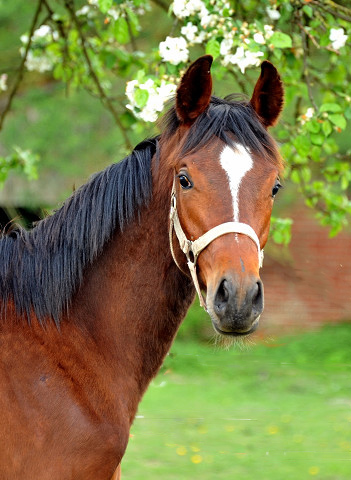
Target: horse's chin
column 234, row 331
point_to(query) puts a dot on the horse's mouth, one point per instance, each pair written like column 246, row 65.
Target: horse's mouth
column 237, row 333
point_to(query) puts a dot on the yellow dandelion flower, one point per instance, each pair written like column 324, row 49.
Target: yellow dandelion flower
column 181, row 451
column 298, row 438
column 272, row 429
column 313, row 470
column 229, row 428
column 196, row 459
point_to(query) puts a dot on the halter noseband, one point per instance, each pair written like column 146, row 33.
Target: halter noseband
column 192, row 249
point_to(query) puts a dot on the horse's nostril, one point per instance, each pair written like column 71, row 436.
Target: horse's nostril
column 222, row 297
column 257, row 297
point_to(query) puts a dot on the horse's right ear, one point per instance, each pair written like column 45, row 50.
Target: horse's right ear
column 194, row 92
column 268, row 96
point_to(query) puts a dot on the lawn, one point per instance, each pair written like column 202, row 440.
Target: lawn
column 278, row 410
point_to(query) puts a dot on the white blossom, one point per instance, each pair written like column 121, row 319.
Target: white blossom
column 309, row 112
column 189, row 31
column 307, row 116
column 180, row 9
column 268, row 31
column 3, row 82
column 226, row 46
column 113, row 12
column 273, row 13
column 83, row 11
column 24, row 39
column 201, row 37
column 157, row 96
column 174, row 50
column 207, row 19
column 337, row 37
column 39, row 63
column 243, row 59
column 42, row 31
column 259, row 38
column 186, row 8
column 40, row 35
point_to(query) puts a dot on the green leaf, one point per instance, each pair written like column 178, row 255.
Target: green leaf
column 308, row 10
column 277, row 53
column 327, row 128
column 295, row 177
column 344, row 182
column 105, row 5
column 127, row 119
column 306, row 174
column 330, row 107
column 317, row 138
column 108, row 59
column 302, row 145
column 315, row 153
column 313, row 126
column 213, row 47
column 324, row 40
column 280, row 40
column 281, row 230
column 121, row 31
column 141, row 97
column 133, row 21
column 338, row 119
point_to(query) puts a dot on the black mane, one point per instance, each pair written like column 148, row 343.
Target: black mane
column 41, row 269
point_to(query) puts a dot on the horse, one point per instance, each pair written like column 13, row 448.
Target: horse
column 93, row 295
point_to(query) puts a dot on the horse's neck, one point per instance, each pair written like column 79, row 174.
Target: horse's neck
column 134, row 298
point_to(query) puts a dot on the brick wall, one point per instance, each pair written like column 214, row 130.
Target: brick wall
column 310, row 283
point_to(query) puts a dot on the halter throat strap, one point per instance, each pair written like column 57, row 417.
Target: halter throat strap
column 192, row 249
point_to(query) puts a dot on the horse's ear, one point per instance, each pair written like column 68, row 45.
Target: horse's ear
column 194, row 91
column 268, row 96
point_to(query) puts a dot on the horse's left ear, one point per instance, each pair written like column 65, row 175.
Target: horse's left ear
column 194, row 91
column 268, row 96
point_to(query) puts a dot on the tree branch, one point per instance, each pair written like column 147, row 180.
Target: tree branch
column 306, row 74
column 132, row 38
column 21, row 67
column 161, row 4
column 103, row 97
column 344, row 14
column 238, row 80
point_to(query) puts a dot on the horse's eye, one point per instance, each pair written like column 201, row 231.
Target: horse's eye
column 276, row 188
column 185, row 182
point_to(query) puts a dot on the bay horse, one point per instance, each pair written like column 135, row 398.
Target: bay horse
column 92, row 296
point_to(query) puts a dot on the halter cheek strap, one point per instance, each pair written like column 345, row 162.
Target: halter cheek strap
column 192, row 249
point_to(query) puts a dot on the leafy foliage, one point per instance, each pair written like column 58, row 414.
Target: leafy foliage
column 92, row 45
column 23, row 161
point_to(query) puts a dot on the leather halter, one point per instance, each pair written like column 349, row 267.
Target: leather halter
column 192, row 249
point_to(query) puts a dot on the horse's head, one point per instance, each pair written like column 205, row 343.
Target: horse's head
column 226, row 175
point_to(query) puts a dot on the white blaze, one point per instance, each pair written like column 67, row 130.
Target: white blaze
column 236, row 162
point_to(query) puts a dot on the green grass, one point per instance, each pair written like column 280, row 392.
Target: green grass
column 278, row 410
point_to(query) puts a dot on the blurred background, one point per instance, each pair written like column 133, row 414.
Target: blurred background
column 277, row 406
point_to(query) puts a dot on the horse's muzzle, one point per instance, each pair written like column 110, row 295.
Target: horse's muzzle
column 235, row 307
